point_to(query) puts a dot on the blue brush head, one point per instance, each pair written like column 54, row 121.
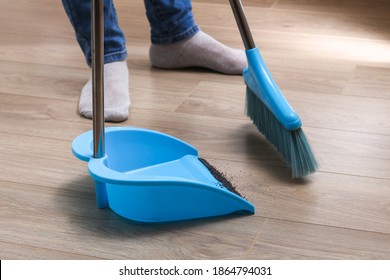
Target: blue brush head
column 275, row 118
column 291, row 144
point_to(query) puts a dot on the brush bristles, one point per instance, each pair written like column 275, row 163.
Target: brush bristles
column 291, row 144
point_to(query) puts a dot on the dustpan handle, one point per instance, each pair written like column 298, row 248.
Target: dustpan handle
column 242, row 23
column 97, row 34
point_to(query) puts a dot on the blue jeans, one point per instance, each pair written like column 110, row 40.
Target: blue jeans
column 170, row 21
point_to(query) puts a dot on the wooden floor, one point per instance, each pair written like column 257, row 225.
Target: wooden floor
column 330, row 58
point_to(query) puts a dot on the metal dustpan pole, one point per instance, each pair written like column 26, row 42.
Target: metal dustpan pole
column 97, row 34
column 97, row 24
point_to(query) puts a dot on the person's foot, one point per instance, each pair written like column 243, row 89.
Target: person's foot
column 201, row 50
column 116, row 93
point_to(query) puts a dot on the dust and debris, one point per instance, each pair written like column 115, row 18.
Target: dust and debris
column 221, row 177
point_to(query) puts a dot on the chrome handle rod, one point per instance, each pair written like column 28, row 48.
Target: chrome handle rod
column 242, row 24
column 97, row 34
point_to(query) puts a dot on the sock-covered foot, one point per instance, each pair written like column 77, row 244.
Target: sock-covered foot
column 116, row 93
column 201, row 50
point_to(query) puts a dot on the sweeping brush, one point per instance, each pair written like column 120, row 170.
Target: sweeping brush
column 269, row 110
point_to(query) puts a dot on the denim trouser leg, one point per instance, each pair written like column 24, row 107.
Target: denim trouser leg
column 79, row 13
column 170, row 20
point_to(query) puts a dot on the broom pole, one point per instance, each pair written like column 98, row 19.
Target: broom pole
column 242, row 23
column 97, row 24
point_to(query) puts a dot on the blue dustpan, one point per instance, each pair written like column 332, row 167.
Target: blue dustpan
column 145, row 175
column 149, row 176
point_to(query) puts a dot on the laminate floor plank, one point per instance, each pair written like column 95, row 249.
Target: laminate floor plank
column 68, row 220
column 369, row 81
column 289, row 240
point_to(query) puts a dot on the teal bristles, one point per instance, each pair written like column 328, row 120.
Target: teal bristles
column 269, row 109
column 291, row 144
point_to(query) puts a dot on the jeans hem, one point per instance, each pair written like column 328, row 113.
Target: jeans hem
column 179, row 37
column 111, row 57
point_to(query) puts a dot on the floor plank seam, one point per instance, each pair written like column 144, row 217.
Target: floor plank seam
column 354, row 175
column 341, row 37
column 328, row 13
column 273, row 6
column 41, row 137
column 44, row 187
column 327, row 226
column 49, row 249
column 286, row 167
column 5, row 61
column 257, row 237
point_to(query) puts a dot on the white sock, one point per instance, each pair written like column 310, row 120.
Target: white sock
column 201, row 50
column 116, row 93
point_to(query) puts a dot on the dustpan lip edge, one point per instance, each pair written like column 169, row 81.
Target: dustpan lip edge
column 113, row 177
column 82, row 144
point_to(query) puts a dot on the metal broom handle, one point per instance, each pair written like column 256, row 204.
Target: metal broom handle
column 97, row 23
column 242, row 23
